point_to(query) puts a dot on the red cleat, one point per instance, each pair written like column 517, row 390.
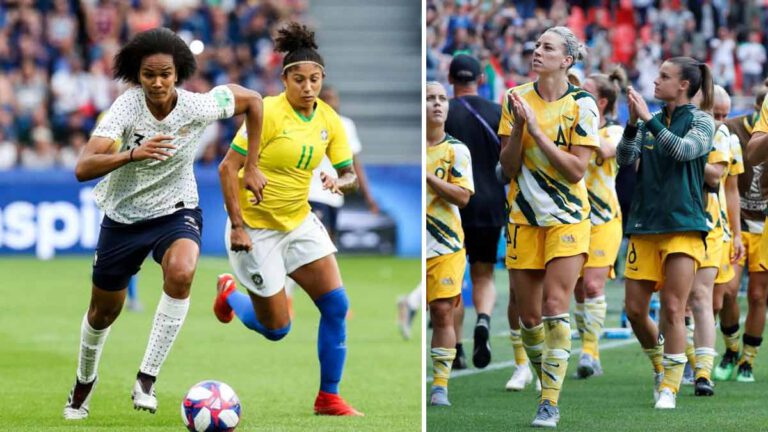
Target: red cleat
column 333, row 404
column 224, row 287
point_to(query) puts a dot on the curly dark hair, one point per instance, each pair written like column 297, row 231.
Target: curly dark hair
column 298, row 41
column 155, row 41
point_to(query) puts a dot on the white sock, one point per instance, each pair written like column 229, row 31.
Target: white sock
column 91, row 345
column 169, row 317
column 414, row 298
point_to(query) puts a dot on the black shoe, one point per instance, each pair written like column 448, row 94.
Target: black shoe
column 460, row 361
column 704, row 387
column 481, row 353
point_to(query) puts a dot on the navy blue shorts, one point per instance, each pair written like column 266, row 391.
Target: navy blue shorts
column 122, row 248
column 482, row 243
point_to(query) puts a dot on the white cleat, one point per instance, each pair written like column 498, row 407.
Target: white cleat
column 667, row 399
column 538, row 385
column 657, row 379
column 73, row 410
column 521, row 377
column 142, row 400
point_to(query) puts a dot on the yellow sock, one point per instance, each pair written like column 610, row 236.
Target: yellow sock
column 594, row 320
column 442, row 360
column 655, row 355
column 517, row 345
column 749, row 354
column 732, row 340
column 578, row 316
column 690, row 348
column 557, row 342
column 705, row 358
column 674, row 364
column 533, row 341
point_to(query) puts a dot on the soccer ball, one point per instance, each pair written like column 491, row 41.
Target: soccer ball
column 210, row 406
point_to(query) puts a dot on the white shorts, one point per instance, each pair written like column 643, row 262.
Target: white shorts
column 276, row 254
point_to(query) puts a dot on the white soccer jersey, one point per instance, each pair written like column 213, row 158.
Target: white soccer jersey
column 316, row 191
column 151, row 188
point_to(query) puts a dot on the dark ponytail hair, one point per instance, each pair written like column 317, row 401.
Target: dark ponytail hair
column 699, row 77
column 298, row 42
column 609, row 86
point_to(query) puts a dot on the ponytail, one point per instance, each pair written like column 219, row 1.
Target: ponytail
column 699, row 77
column 707, row 88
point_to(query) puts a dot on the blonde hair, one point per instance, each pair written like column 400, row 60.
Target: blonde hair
column 573, row 47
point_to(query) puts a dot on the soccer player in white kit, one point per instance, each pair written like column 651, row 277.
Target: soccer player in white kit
column 145, row 147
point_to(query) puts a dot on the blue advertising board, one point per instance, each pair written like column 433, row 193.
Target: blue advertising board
column 48, row 213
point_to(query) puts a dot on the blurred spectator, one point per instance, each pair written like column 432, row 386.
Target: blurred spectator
column 56, row 58
column 751, row 54
column 638, row 34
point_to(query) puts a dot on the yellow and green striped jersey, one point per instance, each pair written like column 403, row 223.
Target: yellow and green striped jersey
column 601, row 180
column 292, row 146
column 539, row 195
column 449, row 161
column 720, row 154
column 735, row 167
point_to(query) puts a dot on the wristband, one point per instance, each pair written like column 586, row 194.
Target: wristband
column 130, row 155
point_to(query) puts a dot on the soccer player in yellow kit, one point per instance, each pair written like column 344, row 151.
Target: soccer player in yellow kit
column 605, row 217
column 276, row 234
column 549, row 129
column 757, row 153
column 715, row 267
column 449, row 187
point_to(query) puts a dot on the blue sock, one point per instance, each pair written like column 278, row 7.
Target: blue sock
column 331, row 338
column 241, row 304
column 132, row 282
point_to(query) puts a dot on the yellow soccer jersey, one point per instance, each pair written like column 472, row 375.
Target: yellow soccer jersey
column 291, row 147
column 601, row 180
column 735, row 167
column 449, row 161
column 762, row 121
column 720, row 154
column 539, row 195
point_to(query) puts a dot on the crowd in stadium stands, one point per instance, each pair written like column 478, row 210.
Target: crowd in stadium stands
column 636, row 34
column 56, row 61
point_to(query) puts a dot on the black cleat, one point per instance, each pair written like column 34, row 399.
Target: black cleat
column 460, row 361
column 481, row 353
column 704, row 387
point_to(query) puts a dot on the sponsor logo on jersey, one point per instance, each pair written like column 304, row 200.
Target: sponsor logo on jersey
column 447, row 281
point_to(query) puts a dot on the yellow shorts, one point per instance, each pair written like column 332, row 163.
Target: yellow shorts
column 751, row 256
column 726, row 271
column 647, row 253
column 714, row 252
column 604, row 243
column 445, row 275
column 532, row 247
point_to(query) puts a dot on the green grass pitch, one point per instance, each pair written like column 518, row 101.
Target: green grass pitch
column 43, row 303
column 620, row 400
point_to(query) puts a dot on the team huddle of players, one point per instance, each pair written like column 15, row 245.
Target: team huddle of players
column 695, row 222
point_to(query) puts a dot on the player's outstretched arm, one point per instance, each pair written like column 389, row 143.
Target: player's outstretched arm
column 228, row 169
column 100, row 157
column 249, row 102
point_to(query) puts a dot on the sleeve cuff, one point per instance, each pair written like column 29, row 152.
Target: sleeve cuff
column 238, row 149
column 630, row 132
column 343, row 164
column 655, row 126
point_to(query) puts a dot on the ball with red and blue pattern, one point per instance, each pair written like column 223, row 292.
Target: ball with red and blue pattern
column 210, row 406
